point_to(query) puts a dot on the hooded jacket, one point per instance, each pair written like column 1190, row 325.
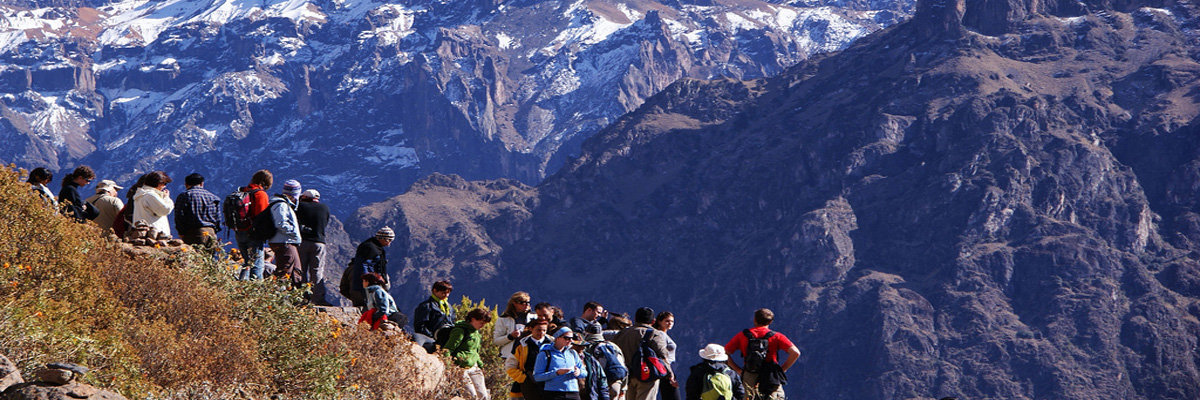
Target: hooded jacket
column 153, row 206
column 283, row 213
column 464, row 344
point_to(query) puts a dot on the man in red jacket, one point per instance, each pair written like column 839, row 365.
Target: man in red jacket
column 252, row 250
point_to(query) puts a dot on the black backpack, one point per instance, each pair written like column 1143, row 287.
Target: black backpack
column 442, row 335
column 262, row 227
column 756, row 350
column 236, row 208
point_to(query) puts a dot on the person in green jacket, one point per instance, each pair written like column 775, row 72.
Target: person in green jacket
column 464, row 343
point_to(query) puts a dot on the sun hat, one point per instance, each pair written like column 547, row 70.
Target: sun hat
column 714, row 352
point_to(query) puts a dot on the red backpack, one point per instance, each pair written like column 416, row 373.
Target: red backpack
column 236, row 208
column 652, row 367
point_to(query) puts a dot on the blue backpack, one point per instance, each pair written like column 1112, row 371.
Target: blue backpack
column 614, row 369
column 595, row 386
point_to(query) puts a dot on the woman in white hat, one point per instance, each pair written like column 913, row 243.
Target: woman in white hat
column 712, row 375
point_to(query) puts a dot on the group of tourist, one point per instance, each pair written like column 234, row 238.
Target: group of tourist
column 596, row 355
column 290, row 223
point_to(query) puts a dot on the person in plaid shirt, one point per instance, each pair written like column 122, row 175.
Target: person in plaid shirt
column 197, row 212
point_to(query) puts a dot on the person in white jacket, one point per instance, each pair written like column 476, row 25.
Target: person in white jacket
column 286, row 241
column 152, row 202
column 511, row 327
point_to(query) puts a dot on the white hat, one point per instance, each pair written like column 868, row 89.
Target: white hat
column 311, row 193
column 107, row 184
column 713, row 352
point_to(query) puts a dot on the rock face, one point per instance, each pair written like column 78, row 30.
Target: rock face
column 57, row 381
column 995, row 200
column 9, row 374
column 361, row 98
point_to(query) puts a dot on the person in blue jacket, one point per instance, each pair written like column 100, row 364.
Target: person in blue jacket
column 560, row 367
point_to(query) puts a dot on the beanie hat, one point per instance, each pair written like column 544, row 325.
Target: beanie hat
column 291, row 188
column 385, row 233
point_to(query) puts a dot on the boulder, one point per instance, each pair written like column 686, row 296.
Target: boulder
column 429, row 369
column 55, row 376
column 47, row 391
column 9, row 374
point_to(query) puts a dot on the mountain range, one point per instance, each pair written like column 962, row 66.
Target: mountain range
column 993, row 199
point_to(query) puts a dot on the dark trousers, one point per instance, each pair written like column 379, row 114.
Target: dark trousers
column 548, row 395
column 200, row 236
column 666, row 391
column 287, row 263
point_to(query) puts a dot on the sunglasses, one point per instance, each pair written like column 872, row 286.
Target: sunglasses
column 521, row 302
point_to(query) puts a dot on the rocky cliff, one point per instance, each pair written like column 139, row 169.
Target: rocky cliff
column 993, row 200
column 360, row 98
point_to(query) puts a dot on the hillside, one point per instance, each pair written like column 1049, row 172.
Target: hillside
column 991, row 200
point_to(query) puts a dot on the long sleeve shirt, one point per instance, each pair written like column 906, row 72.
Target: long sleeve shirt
column 197, row 208
column 287, row 227
column 546, row 369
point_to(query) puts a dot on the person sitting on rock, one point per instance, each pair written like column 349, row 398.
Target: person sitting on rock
column 433, row 314
column 380, row 304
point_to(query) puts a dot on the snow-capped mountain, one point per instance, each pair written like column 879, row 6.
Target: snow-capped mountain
column 359, row 98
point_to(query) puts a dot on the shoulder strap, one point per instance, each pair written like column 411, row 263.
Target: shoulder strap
column 547, row 360
column 648, row 335
column 769, row 334
column 748, row 334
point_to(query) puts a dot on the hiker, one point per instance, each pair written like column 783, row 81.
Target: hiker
column 616, row 324
column 256, row 201
column 630, row 341
column 546, row 310
column 560, row 367
column 759, row 345
column 124, row 219
column 380, row 304
column 611, row 359
column 286, row 241
column 314, row 217
column 197, row 212
column 71, row 201
column 38, row 179
column 371, row 256
column 519, row 367
column 511, row 327
column 433, row 314
column 668, row 387
column 594, row 384
column 464, row 344
column 152, row 203
column 712, row 379
column 593, row 315
column 556, row 319
column 108, row 203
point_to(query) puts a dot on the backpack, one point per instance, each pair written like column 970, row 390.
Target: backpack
column 532, row 389
column 595, row 386
column 442, row 335
column 614, row 367
column 236, row 208
column 652, row 367
column 717, row 386
column 262, row 227
column 756, row 350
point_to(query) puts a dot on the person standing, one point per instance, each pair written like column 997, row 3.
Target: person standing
column 760, row 346
column 510, row 328
column 197, row 212
column 726, row 387
column 668, row 386
column 519, row 367
column 630, row 340
column 286, row 241
column 560, row 368
column 71, row 201
column 432, row 314
column 314, row 217
column 371, row 256
column 611, row 359
column 464, row 345
column 38, row 179
column 107, row 203
column 593, row 315
column 251, row 249
column 152, row 203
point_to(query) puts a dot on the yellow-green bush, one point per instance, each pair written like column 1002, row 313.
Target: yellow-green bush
column 174, row 324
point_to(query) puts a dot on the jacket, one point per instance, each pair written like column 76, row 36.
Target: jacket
column 369, row 251
column 546, row 369
column 515, row 366
column 505, row 326
column 631, row 338
column 464, row 344
column 45, row 194
column 699, row 372
column 287, row 227
column 314, row 217
column 153, row 206
column 428, row 317
column 197, row 208
column 109, row 206
column 378, row 298
column 73, row 205
column 258, row 201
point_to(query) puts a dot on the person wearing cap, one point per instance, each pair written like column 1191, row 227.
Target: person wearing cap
column 152, row 203
column 629, row 340
column 713, row 362
column 560, row 367
column 286, row 241
column 370, row 256
column 464, row 344
column 108, row 203
column 197, row 212
column 314, row 217
column 611, row 359
column 71, row 201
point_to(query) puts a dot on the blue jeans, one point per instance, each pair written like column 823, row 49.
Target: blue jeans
column 252, row 257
